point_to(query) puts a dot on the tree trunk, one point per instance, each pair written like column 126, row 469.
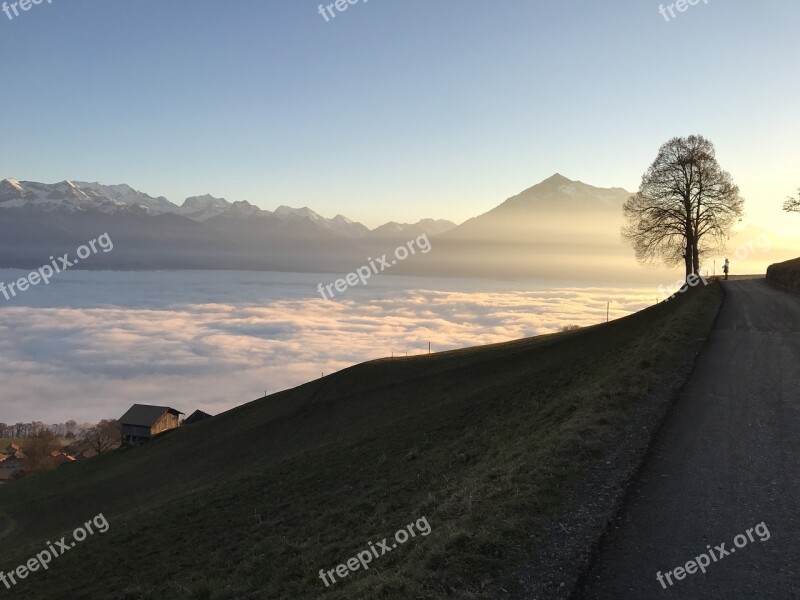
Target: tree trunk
column 691, row 248
column 687, row 259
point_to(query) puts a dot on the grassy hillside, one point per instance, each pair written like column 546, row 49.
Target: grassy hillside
column 785, row 275
column 486, row 443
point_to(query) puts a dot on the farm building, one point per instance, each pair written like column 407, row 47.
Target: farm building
column 12, row 465
column 196, row 417
column 61, row 458
column 143, row 421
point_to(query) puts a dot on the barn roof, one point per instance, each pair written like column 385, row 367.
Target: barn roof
column 196, row 416
column 145, row 415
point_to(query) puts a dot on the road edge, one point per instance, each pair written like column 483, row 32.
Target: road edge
column 576, row 536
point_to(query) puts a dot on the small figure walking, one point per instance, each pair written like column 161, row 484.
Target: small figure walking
column 725, row 268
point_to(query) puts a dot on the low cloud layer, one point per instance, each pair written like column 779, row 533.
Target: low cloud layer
column 110, row 344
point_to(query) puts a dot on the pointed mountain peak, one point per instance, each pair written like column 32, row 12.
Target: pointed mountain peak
column 9, row 182
column 299, row 213
column 206, row 201
column 207, row 198
column 557, row 178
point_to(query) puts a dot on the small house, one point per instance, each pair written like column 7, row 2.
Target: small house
column 60, row 457
column 196, row 417
column 143, row 421
column 12, row 465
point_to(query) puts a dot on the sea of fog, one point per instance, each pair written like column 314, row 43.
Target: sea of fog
column 91, row 343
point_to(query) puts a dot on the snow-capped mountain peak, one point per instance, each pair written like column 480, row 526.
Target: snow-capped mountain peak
column 340, row 225
column 11, row 184
column 243, row 208
column 131, row 197
column 205, row 201
column 202, row 208
column 65, row 196
column 80, row 196
column 300, row 213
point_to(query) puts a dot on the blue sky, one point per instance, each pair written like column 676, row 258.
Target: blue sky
column 396, row 110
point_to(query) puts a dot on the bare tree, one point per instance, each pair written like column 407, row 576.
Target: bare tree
column 38, row 451
column 685, row 206
column 792, row 204
column 105, row 436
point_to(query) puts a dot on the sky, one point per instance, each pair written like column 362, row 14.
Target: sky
column 396, row 110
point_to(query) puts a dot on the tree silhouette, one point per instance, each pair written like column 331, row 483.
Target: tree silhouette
column 792, row 204
column 105, row 436
column 38, row 451
column 685, row 206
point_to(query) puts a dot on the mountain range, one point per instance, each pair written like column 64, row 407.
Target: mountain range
column 557, row 229
column 74, row 197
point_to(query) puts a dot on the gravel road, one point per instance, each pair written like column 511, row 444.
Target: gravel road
column 727, row 459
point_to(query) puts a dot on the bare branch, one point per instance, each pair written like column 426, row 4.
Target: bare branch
column 792, row 204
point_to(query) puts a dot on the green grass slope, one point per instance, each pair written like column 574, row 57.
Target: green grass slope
column 485, row 442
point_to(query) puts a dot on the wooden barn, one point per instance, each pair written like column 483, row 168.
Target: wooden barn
column 143, row 421
column 196, row 417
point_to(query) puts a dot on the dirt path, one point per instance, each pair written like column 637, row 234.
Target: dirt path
column 727, row 460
